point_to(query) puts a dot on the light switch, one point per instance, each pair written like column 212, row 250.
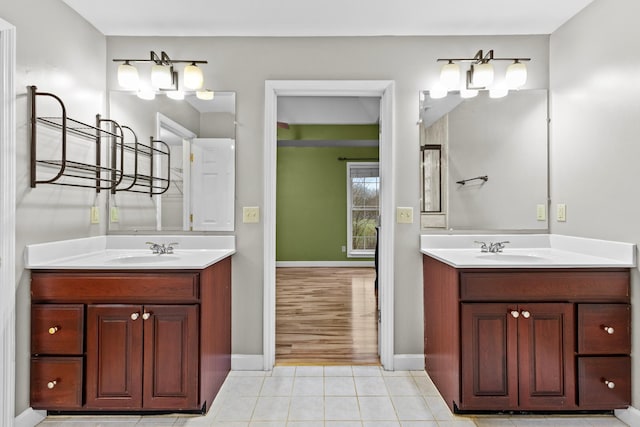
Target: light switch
column 250, row 214
column 541, row 213
column 404, row 215
column 561, row 212
column 95, row 215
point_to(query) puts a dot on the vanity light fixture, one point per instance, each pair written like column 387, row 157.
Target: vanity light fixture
column 205, row 95
column 480, row 74
column 163, row 75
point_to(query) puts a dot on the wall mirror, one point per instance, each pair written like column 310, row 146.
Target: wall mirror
column 201, row 139
column 484, row 162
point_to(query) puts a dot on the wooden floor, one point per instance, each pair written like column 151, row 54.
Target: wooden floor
column 326, row 316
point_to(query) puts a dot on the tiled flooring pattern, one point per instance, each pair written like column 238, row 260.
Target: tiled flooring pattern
column 331, row 396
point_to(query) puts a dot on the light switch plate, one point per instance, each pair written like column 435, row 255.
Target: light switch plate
column 404, row 215
column 561, row 212
column 541, row 213
column 250, row 214
column 95, row 215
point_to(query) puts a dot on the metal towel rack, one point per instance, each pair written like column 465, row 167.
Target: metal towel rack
column 484, row 178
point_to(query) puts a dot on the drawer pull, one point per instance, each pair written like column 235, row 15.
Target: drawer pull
column 53, row 330
column 134, row 316
column 515, row 314
column 608, row 329
column 610, row 384
column 526, row 314
column 51, row 384
column 146, row 315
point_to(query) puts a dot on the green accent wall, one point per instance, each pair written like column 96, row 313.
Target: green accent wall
column 311, row 202
column 329, row 132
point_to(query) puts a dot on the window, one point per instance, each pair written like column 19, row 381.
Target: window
column 363, row 206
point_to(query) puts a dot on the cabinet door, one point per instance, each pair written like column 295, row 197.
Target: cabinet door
column 170, row 357
column 546, row 356
column 489, row 356
column 114, row 356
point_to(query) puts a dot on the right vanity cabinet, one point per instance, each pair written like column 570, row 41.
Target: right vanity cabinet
column 532, row 339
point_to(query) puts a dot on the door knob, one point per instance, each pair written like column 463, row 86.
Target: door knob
column 53, row 330
column 146, row 315
column 134, row 316
column 515, row 314
column 51, row 384
column 610, row 384
column 526, row 314
column 608, row 329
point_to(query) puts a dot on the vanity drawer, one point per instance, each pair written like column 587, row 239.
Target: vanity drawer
column 593, row 390
column 56, row 382
column 602, row 285
column 121, row 286
column 57, row 328
column 604, row 329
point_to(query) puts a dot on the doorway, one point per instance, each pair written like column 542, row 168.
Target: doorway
column 384, row 90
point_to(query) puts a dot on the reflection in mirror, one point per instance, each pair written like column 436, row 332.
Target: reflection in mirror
column 201, row 138
column 493, row 171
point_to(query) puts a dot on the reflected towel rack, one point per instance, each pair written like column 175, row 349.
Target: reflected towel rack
column 484, row 178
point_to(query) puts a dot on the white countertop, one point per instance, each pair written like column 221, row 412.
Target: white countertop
column 529, row 251
column 129, row 253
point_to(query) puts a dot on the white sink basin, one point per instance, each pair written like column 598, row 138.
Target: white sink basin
column 501, row 257
column 143, row 259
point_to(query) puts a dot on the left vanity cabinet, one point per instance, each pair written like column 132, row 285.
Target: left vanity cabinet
column 130, row 340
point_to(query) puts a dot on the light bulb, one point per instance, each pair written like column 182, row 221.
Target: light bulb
column 482, row 74
column 177, row 95
column 450, row 75
column 205, row 95
column 161, row 76
column 516, row 75
column 128, row 76
column 193, row 78
column 438, row 91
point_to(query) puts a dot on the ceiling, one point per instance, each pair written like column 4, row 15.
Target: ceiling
column 327, row 17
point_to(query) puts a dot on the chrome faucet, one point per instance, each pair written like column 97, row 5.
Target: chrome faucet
column 161, row 248
column 492, row 247
column 496, row 247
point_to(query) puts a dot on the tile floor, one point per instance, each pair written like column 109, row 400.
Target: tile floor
column 331, row 396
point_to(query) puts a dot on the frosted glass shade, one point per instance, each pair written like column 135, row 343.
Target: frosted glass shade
column 128, row 76
column 516, row 75
column 205, row 95
column 178, row 95
column 161, row 76
column 193, row 78
column 468, row 93
column 498, row 91
column 438, row 91
column 450, row 75
column 482, row 75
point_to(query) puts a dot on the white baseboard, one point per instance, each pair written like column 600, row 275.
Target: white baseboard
column 325, row 264
column 408, row 362
column 30, row 418
column 247, row 362
column 629, row 416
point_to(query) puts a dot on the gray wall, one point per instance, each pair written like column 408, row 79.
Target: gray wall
column 243, row 65
column 61, row 53
column 595, row 123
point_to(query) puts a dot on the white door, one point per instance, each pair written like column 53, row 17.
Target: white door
column 212, row 184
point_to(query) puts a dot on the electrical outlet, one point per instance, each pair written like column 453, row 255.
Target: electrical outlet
column 115, row 214
column 344, row 248
column 541, row 213
column 95, row 215
column 404, row 215
column 250, row 214
column 561, row 212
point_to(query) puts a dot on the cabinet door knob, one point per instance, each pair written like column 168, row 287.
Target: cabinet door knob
column 134, row 316
column 610, row 384
column 51, row 384
column 526, row 314
column 515, row 314
column 53, row 330
column 146, row 315
column 608, row 329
